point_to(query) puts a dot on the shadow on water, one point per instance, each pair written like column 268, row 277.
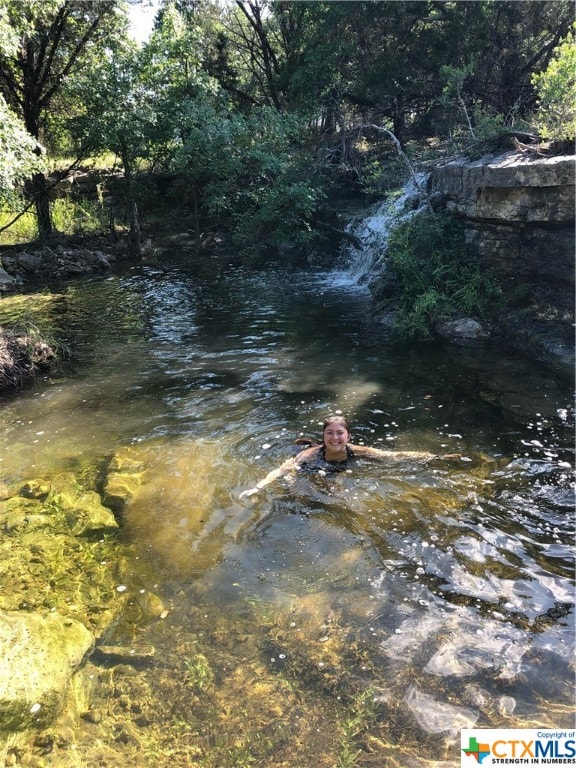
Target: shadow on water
column 362, row 618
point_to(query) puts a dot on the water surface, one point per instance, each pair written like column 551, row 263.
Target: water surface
column 346, row 619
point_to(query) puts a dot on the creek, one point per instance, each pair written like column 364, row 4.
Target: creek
column 360, row 618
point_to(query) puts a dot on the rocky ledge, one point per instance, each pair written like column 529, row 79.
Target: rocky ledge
column 51, row 262
column 67, row 579
column 518, row 212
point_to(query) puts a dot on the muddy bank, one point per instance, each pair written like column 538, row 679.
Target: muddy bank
column 23, row 356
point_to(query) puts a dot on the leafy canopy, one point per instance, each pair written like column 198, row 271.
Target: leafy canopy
column 556, row 87
column 19, row 152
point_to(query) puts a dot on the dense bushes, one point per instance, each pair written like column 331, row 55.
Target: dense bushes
column 428, row 276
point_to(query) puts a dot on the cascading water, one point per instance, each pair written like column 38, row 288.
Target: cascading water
column 373, row 230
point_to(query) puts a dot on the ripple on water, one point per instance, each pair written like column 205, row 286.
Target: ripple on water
column 445, row 589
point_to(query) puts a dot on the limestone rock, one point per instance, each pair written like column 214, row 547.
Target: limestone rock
column 38, row 656
column 463, row 328
column 84, row 510
column 508, row 187
column 519, row 212
column 125, row 476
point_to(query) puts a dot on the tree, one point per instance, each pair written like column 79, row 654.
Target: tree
column 136, row 101
column 556, row 88
column 258, row 48
column 20, row 155
column 118, row 116
column 55, row 37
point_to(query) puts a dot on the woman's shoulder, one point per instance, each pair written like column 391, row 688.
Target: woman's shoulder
column 307, row 453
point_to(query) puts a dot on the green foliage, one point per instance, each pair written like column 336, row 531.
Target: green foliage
column 556, row 88
column 261, row 104
column 8, row 33
column 19, row 158
column 118, row 112
column 79, row 217
column 471, row 118
column 248, row 173
column 429, row 276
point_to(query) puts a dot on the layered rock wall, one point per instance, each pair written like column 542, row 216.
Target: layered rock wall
column 519, row 214
column 519, row 221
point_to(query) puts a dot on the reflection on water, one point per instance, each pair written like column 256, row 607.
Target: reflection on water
column 352, row 619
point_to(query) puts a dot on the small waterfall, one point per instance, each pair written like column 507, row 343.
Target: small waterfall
column 373, row 230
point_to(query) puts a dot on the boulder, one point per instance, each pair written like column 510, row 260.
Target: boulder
column 461, row 329
column 38, row 655
column 6, row 281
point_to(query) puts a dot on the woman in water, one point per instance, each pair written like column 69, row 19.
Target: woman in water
column 335, row 451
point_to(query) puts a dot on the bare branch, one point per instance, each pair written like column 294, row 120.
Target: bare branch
column 404, row 157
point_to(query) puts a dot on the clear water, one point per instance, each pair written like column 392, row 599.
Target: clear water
column 355, row 619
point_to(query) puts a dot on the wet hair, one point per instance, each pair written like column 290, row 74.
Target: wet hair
column 336, row 420
column 306, row 442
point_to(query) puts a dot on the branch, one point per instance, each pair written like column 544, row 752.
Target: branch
column 75, row 54
column 59, row 176
column 341, row 233
column 45, row 58
column 404, row 157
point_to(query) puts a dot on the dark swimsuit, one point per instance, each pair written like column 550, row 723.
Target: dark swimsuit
column 320, row 462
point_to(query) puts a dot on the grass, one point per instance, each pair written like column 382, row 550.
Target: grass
column 70, row 217
column 23, row 230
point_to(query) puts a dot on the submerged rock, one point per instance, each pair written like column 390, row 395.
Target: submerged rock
column 118, row 654
column 38, row 656
column 462, row 329
column 84, row 510
column 434, row 716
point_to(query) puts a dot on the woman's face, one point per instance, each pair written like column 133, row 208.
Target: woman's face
column 336, row 436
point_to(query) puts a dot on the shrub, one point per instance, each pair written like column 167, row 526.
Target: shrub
column 428, row 276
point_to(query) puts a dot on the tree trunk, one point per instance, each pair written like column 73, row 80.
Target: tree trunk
column 134, row 232
column 42, row 205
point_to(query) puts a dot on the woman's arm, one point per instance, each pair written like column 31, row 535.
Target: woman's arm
column 290, row 464
column 379, row 455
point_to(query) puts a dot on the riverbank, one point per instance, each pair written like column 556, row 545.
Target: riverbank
column 24, row 355
column 513, row 208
